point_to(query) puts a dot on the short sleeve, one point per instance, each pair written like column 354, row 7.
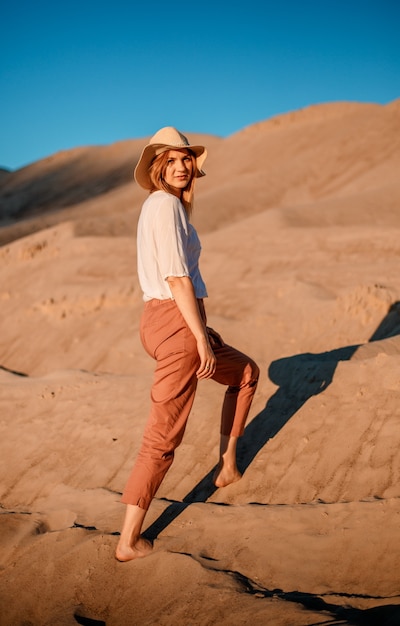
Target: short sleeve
column 170, row 233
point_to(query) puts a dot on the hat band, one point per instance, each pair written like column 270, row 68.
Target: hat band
column 158, row 151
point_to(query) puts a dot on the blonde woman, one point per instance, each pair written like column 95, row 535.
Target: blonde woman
column 173, row 331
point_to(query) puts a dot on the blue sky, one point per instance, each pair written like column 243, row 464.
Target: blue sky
column 89, row 73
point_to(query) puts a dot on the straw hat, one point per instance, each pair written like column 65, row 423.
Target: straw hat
column 167, row 138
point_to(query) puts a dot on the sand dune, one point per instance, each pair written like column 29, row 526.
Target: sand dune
column 300, row 222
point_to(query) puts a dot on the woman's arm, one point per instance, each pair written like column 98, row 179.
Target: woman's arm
column 185, row 298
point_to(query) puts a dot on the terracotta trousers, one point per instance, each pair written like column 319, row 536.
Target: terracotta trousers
column 167, row 338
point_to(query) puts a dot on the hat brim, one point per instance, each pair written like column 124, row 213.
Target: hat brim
column 141, row 171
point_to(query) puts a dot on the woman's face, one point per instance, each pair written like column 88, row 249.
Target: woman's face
column 179, row 169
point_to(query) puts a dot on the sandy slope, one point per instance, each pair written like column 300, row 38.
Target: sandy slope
column 306, row 279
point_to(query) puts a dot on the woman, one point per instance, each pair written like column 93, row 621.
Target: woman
column 173, row 331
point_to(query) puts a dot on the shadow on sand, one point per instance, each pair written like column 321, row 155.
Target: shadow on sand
column 332, row 614
column 299, row 378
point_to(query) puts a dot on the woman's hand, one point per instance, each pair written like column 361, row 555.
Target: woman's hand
column 183, row 292
column 208, row 361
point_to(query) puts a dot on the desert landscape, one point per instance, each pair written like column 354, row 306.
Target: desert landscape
column 299, row 218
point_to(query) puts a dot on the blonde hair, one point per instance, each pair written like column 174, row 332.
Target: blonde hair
column 157, row 173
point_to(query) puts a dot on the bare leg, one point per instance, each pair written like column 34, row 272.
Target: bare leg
column 131, row 545
column 227, row 471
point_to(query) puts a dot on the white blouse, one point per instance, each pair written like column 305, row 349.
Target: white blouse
column 167, row 245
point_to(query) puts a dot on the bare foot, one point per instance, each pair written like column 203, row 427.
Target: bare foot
column 141, row 549
column 224, row 476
